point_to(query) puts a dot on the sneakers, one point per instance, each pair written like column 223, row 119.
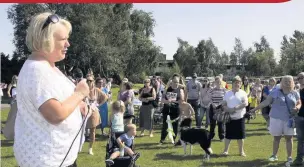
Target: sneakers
column 91, row 151
column 109, row 162
column 135, row 156
column 273, row 158
column 289, row 160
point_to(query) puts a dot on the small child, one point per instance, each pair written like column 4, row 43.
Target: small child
column 253, row 101
column 185, row 116
column 117, row 117
column 125, row 141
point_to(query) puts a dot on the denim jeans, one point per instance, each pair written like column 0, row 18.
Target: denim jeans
column 300, row 137
column 202, row 112
column 195, row 106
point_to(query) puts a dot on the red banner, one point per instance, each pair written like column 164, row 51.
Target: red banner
column 144, row 1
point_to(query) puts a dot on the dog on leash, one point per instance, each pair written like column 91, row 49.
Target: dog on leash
column 190, row 136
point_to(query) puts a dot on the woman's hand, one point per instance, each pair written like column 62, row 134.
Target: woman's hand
column 83, row 88
column 83, row 108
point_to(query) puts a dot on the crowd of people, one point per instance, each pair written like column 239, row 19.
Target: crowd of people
column 53, row 109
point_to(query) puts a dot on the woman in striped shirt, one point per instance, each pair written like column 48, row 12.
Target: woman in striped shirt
column 216, row 95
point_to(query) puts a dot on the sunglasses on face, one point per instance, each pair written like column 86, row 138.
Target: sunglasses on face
column 51, row 19
column 299, row 78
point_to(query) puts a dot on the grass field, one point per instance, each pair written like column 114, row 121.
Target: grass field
column 258, row 147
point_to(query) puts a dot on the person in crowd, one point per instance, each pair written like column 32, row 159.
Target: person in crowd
column 50, row 108
column 235, row 102
column 11, row 89
column 116, row 118
column 300, row 125
column 126, row 94
column 147, row 96
column 223, row 83
column 247, row 88
column 171, row 105
column 285, row 103
column 266, row 91
column 96, row 98
column 103, row 108
column 205, row 102
column 194, row 88
column 257, row 88
column 217, row 96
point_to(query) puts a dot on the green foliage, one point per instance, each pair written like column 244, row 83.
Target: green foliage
column 109, row 38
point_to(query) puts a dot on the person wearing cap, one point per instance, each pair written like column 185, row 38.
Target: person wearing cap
column 193, row 96
column 300, row 125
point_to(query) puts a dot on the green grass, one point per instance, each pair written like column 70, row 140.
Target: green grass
column 258, row 147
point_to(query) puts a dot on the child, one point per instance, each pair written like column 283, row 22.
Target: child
column 185, row 116
column 253, row 101
column 125, row 141
column 116, row 119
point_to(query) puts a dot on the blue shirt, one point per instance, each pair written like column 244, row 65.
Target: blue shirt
column 126, row 139
column 279, row 108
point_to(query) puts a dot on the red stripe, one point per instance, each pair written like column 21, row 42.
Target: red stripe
column 145, row 1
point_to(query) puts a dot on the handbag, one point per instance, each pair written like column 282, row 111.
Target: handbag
column 291, row 121
column 220, row 115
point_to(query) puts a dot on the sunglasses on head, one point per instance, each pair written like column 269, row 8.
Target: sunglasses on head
column 51, row 19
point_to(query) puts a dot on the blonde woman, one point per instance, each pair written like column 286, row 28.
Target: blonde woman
column 96, row 98
column 285, row 103
column 235, row 102
column 50, row 107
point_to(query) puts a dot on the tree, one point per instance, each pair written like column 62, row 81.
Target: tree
column 238, row 51
column 108, row 38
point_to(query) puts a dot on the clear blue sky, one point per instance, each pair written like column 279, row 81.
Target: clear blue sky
column 194, row 22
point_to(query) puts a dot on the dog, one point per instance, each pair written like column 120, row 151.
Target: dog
column 196, row 135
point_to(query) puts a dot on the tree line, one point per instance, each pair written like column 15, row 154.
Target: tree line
column 115, row 39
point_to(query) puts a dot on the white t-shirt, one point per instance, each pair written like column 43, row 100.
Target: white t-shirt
column 234, row 100
column 37, row 142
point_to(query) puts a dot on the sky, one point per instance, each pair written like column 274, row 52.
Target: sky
column 194, row 22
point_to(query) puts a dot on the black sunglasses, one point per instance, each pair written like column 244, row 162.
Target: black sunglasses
column 51, row 19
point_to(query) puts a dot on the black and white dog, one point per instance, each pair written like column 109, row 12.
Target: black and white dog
column 196, row 135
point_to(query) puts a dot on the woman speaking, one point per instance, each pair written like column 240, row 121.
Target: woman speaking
column 49, row 105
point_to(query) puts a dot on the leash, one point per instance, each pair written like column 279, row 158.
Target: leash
column 81, row 128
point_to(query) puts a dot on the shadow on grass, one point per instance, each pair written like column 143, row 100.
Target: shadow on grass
column 7, row 143
column 251, row 163
column 256, row 134
column 8, row 156
column 148, row 146
column 254, row 130
column 177, row 157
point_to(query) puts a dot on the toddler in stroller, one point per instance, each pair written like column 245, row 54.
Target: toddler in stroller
column 119, row 143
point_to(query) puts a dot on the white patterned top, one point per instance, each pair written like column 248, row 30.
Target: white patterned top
column 37, row 142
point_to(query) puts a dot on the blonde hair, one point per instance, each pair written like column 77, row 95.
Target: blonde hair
column 118, row 106
column 147, row 80
column 236, row 78
column 290, row 78
column 38, row 39
column 131, row 127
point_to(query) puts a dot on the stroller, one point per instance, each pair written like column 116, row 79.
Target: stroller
column 125, row 161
